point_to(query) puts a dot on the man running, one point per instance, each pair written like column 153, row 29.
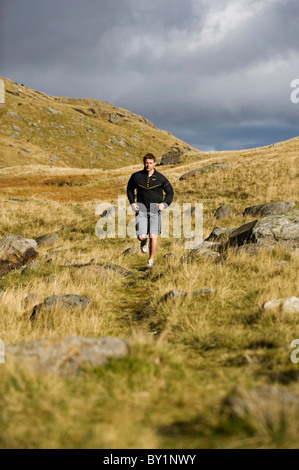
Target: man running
column 150, row 185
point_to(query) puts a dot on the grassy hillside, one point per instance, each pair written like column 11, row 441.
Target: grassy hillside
column 190, row 357
column 80, row 133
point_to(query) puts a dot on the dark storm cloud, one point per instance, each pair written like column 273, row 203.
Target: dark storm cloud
column 215, row 73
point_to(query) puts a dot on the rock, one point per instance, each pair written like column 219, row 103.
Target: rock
column 273, row 208
column 47, row 239
column 204, row 169
column 119, row 269
column 130, row 251
column 266, row 405
column 277, row 229
column 171, row 158
column 53, row 111
column 61, row 301
column 30, row 267
column 205, row 250
column 15, row 251
column 13, row 115
column 114, row 119
column 222, row 212
column 240, row 235
column 31, row 300
column 54, row 158
column 286, row 305
column 174, row 294
column 203, row 292
column 219, row 233
column 16, row 128
column 66, row 356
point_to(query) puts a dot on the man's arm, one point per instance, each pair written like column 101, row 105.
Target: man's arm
column 168, row 193
column 131, row 189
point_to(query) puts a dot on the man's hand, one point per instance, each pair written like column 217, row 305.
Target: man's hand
column 135, row 207
column 161, row 206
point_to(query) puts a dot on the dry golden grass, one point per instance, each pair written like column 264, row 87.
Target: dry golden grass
column 187, row 354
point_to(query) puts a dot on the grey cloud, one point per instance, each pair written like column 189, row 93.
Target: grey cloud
column 156, row 58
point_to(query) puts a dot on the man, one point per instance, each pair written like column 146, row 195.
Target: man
column 150, row 185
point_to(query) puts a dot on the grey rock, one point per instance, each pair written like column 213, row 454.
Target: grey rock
column 203, row 292
column 16, row 128
column 273, row 208
column 171, row 158
column 277, row 229
column 265, row 403
column 174, row 294
column 31, row 300
column 115, row 119
column 61, row 301
column 203, row 169
column 47, row 239
column 13, row 115
column 53, row 111
column 15, row 251
column 286, row 305
column 66, row 356
column 223, row 211
column 219, row 234
column 30, row 267
column 205, row 251
column 130, row 251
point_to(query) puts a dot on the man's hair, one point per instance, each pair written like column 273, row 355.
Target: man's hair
column 149, row 156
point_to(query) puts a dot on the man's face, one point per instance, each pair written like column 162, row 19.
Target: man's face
column 149, row 164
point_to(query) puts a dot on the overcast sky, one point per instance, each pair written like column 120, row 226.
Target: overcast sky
column 215, row 73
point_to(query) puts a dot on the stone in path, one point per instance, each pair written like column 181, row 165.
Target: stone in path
column 15, row 251
column 66, row 356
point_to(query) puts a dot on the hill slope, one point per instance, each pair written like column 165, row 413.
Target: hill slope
column 83, row 133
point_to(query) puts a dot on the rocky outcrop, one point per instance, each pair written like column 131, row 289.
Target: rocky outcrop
column 60, row 301
column 269, row 231
column 223, row 211
column 171, row 158
column 203, row 169
column 273, row 208
column 47, row 239
column 16, row 251
column 66, row 356
column 286, row 305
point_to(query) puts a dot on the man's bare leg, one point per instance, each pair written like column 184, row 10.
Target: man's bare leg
column 153, row 245
column 143, row 240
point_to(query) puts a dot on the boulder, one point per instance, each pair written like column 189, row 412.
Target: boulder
column 266, row 405
column 130, row 251
column 47, row 239
column 174, row 294
column 171, row 158
column 66, row 356
column 219, row 234
column 268, row 231
column 286, row 305
column 61, row 301
column 53, row 111
column 273, row 208
column 15, row 251
column 223, row 211
column 203, row 169
column 277, row 229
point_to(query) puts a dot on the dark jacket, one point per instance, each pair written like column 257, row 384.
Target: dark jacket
column 149, row 188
